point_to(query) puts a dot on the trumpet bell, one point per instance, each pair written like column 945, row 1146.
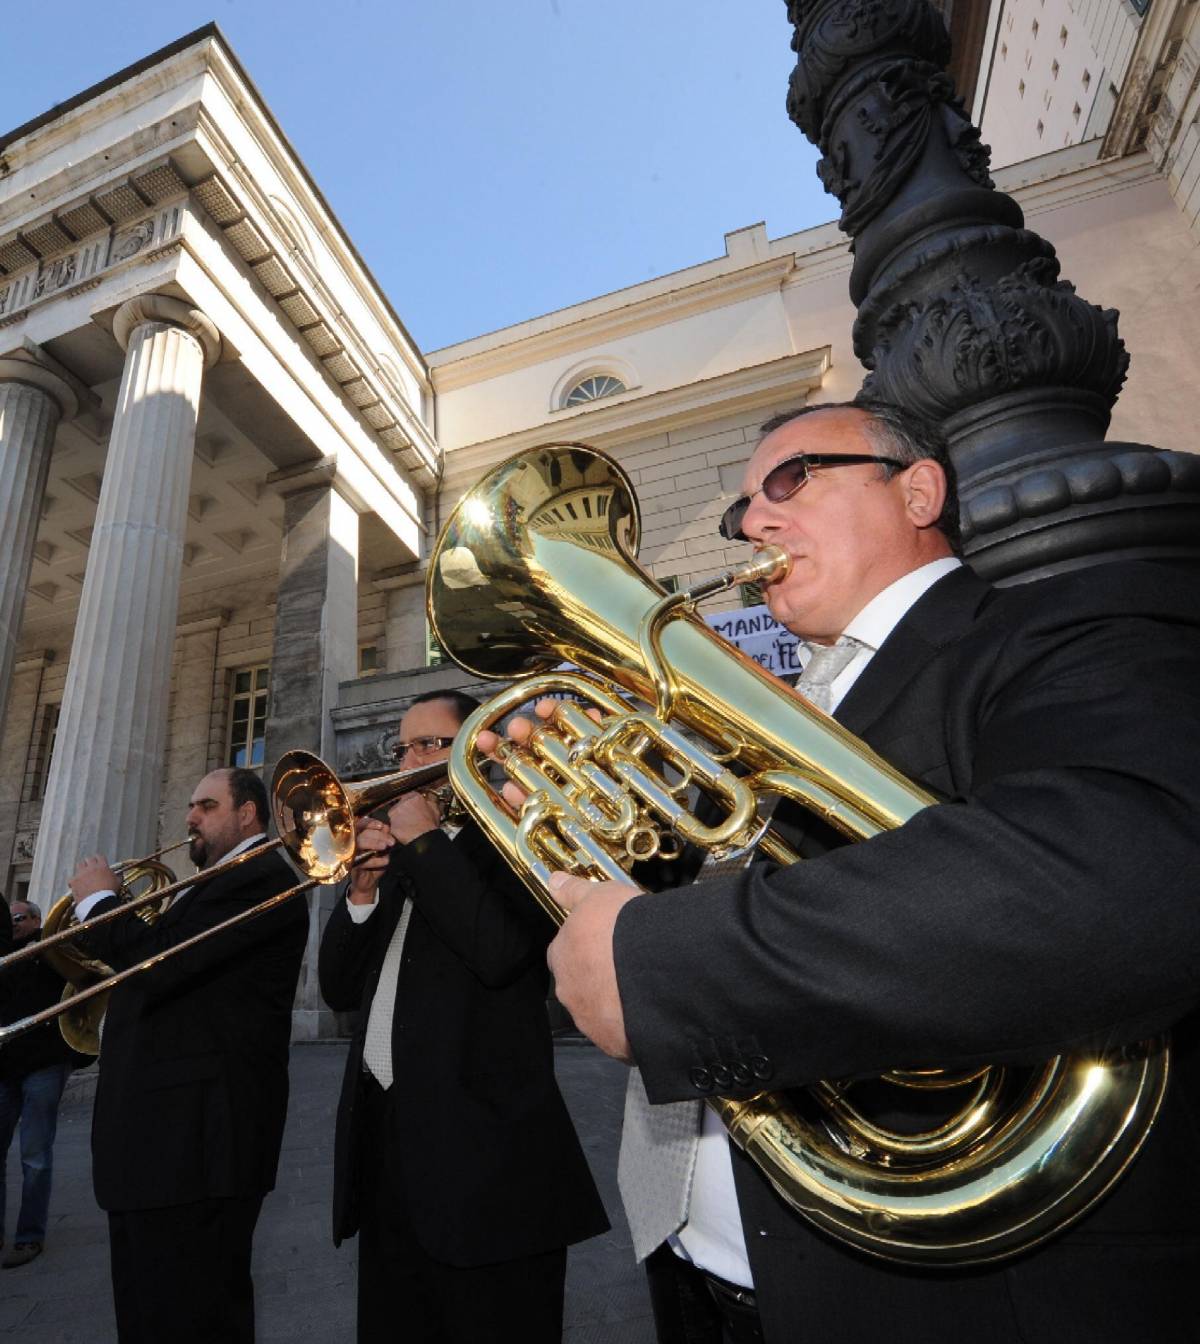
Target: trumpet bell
column 315, row 813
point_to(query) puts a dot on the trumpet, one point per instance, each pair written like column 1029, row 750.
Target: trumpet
column 315, row 816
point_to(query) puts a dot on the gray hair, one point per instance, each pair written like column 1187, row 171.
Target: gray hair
column 897, row 433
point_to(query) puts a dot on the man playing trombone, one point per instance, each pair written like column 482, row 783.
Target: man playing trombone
column 193, row 1084
column 455, row 1162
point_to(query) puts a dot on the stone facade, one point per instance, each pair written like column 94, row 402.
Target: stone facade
column 182, row 323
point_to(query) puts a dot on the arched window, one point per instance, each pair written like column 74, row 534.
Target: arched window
column 592, row 388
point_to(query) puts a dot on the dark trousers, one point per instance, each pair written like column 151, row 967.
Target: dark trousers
column 182, row 1273
column 33, row 1099
column 693, row 1308
column 404, row 1293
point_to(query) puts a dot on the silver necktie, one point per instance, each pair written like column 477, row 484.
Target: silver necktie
column 825, row 664
column 659, row 1143
column 377, row 1047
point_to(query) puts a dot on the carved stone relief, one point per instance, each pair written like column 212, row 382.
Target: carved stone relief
column 370, row 749
column 56, row 274
column 129, row 242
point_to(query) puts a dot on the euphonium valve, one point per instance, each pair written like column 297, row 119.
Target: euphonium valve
column 535, row 569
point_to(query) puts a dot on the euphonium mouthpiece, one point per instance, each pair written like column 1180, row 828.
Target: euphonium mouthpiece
column 769, row 564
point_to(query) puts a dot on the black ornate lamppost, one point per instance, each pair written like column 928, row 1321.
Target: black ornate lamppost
column 962, row 316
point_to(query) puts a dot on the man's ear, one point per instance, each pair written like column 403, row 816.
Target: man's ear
column 925, row 492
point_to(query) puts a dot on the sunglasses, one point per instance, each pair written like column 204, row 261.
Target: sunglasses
column 785, row 478
column 424, row 745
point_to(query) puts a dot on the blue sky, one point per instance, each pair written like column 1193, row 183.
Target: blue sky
column 491, row 161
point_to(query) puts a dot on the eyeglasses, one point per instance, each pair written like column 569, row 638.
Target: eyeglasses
column 425, row 745
column 785, row 478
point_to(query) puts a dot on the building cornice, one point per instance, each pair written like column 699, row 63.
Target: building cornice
column 201, row 625
column 608, row 424
column 232, row 79
column 252, row 225
column 1061, row 184
column 206, row 51
column 148, row 66
column 582, row 332
column 186, row 148
column 1154, row 56
column 326, row 473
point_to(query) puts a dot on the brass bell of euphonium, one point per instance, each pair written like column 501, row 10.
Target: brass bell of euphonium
column 535, row 569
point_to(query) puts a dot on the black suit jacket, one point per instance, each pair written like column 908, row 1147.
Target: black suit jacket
column 489, row 1164
column 25, row 990
column 1049, row 905
column 193, row 1086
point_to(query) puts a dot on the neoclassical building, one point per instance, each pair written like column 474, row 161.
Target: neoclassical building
column 223, row 460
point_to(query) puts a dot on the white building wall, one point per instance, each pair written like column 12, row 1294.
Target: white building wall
column 1046, row 76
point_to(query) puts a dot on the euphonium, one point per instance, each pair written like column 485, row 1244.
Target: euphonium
column 536, row 568
column 79, row 1022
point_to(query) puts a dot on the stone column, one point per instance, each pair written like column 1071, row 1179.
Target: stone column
column 32, row 402
column 17, row 736
column 315, row 648
column 405, row 637
column 191, row 718
column 106, row 775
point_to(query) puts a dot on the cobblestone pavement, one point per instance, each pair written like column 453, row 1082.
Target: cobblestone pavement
column 305, row 1288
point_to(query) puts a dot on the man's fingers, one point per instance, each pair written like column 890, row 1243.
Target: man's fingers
column 581, row 958
column 519, row 729
column 568, row 891
column 373, row 838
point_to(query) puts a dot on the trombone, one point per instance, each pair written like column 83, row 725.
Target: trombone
column 315, row 816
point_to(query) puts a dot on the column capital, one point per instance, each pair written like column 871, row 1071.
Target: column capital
column 202, row 624
column 402, row 576
column 309, row 475
column 16, row 370
column 162, row 308
column 34, row 662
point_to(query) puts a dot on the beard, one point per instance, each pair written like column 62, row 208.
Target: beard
column 198, row 852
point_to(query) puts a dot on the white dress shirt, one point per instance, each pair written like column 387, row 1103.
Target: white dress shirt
column 712, row 1236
